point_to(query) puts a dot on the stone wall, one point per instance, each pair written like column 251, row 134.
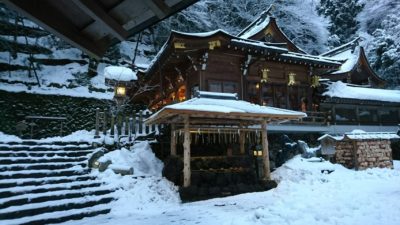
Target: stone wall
column 362, row 154
column 80, row 113
column 345, row 153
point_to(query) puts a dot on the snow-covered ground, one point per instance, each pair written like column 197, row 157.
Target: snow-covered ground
column 304, row 196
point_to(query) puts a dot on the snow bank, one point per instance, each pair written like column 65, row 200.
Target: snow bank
column 140, row 157
column 77, row 136
column 119, row 73
column 9, row 138
column 144, row 192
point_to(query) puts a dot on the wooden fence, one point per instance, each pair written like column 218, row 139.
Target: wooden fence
column 124, row 125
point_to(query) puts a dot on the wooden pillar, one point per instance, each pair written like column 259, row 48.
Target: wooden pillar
column 186, row 153
column 264, row 137
column 173, row 140
column 242, row 136
column 97, row 125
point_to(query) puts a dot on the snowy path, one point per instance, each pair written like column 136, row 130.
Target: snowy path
column 304, row 196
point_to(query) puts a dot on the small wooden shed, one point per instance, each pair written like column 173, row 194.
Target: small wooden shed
column 218, row 113
column 360, row 150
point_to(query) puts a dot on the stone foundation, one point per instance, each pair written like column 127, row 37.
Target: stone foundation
column 362, row 154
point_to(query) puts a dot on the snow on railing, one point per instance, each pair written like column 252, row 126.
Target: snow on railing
column 125, row 125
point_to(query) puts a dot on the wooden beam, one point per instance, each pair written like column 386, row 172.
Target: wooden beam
column 264, row 137
column 91, row 8
column 173, row 140
column 47, row 16
column 242, row 136
column 159, row 8
column 186, row 153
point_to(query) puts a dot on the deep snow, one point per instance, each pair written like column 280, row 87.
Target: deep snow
column 304, row 196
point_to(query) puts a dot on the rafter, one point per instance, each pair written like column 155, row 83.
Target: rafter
column 91, row 8
column 159, row 8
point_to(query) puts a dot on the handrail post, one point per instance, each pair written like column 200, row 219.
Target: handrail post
column 96, row 135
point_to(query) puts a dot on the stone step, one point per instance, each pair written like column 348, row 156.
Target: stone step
column 61, row 216
column 32, row 198
column 42, row 173
column 44, row 147
column 41, row 166
column 76, row 153
column 33, row 160
column 40, row 181
column 14, row 191
column 33, row 209
column 39, row 142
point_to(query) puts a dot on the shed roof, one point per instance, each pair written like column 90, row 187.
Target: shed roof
column 361, row 136
column 222, row 111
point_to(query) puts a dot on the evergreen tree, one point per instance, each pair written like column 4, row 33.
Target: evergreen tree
column 342, row 14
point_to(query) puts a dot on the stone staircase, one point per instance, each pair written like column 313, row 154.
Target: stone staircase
column 42, row 183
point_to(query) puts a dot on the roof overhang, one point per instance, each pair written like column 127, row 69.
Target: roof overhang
column 94, row 25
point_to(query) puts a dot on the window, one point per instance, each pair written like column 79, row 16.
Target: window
column 223, row 86
column 388, row 115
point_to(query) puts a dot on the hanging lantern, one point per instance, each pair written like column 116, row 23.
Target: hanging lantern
column 264, row 75
column 120, row 91
column 315, row 81
column 292, row 80
column 257, row 151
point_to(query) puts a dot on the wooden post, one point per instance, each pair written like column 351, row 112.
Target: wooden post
column 134, row 123
column 105, row 122
column 96, row 134
column 173, row 140
column 147, row 127
column 242, row 136
column 140, row 122
column 112, row 125
column 186, row 153
column 264, row 137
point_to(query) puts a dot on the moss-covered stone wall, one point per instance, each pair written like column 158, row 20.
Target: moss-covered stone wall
column 14, row 107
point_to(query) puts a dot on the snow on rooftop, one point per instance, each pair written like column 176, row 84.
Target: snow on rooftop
column 119, row 73
column 256, row 26
column 258, row 44
column 342, row 90
column 309, row 57
column 202, row 34
column 229, row 106
column 361, row 135
column 350, row 57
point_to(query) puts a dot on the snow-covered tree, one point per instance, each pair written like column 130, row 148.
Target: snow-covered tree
column 342, row 13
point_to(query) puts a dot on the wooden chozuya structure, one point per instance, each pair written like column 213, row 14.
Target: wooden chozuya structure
column 217, row 113
column 260, row 64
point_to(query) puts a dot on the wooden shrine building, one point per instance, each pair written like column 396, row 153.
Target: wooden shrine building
column 226, row 122
column 261, row 65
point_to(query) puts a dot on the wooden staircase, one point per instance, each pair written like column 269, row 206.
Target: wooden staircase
column 42, row 183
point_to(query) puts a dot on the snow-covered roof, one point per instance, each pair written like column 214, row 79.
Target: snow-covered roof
column 361, row 136
column 343, row 90
column 294, row 55
column 119, row 73
column 348, row 53
column 212, row 106
column 259, row 44
column 257, row 25
column 349, row 45
column 202, row 34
